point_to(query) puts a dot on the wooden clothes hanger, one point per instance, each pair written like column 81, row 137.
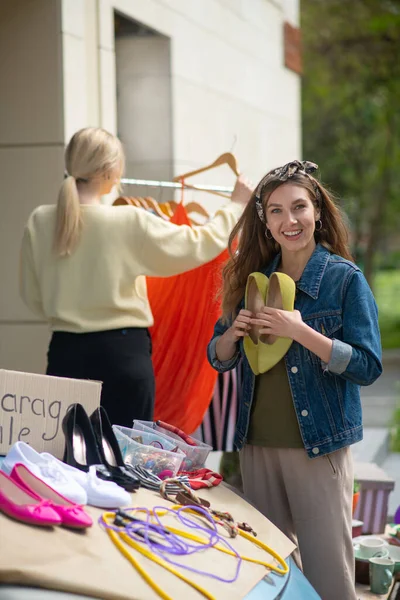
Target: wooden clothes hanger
column 193, row 187
column 147, row 203
column 166, row 208
column 225, row 159
column 153, row 204
column 197, row 208
column 132, row 201
column 128, row 200
column 140, row 202
column 123, row 201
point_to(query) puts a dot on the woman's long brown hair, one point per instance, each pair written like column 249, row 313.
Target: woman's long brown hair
column 253, row 251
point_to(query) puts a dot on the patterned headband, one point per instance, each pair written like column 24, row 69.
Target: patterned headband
column 284, row 173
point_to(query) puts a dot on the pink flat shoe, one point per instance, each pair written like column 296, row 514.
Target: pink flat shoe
column 70, row 514
column 25, row 506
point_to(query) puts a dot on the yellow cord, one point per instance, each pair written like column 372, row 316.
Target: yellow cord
column 150, row 555
column 164, row 564
column 247, row 536
column 274, row 568
column 137, row 566
column 136, row 545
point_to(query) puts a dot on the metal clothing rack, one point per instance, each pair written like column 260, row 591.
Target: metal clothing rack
column 177, row 185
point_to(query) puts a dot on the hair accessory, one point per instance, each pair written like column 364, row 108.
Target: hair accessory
column 184, row 436
column 185, row 496
column 284, row 173
column 260, row 211
column 202, row 478
column 150, row 480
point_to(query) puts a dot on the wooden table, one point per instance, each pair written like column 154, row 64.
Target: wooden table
column 364, row 592
column 45, row 557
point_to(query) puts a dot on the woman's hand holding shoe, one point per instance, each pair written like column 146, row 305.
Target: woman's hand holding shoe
column 289, row 324
column 241, row 325
column 226, row 344
column 277, row 322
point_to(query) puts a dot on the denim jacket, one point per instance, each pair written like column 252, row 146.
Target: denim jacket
column 333, row 298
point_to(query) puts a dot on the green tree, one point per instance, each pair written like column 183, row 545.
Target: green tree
column 351, row 117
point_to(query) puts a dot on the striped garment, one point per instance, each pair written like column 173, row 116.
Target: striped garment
column 219, row 423
column 151, row 481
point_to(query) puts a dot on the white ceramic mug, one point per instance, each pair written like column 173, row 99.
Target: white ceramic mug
column 373, row 546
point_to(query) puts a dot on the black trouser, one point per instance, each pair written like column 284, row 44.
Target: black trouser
column 120, row 358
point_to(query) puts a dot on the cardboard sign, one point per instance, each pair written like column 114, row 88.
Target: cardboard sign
column 32, row 408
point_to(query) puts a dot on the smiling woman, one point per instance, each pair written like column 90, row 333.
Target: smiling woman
column 299, row 413
column 286, row 200
column 291, row 216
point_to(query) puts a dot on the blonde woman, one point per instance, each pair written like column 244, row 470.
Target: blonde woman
column 83, row 265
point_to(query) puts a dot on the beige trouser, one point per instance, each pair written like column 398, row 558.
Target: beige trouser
column 310, row 500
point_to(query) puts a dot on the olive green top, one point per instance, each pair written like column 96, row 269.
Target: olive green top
column 273, row 419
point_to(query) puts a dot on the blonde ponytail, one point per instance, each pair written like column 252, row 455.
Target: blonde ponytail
column 68, row 219
column 91, row 153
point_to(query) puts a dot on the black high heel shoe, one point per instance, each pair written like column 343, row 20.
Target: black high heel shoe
column 80, row 443
column 110, row 451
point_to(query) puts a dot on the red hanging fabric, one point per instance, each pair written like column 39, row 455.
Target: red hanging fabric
column 185, row 310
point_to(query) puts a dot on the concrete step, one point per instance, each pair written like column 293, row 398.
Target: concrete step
column 378, row 411
column 374, row 447
column 381, row 398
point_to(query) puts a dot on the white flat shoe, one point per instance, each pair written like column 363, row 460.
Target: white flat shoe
column 100, row 493
column 48, row 471
column 77, row 474
column 105, row 494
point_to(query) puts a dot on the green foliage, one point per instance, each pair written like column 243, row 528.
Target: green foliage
column 387, row 294
column 351, row 121
column 395, row 427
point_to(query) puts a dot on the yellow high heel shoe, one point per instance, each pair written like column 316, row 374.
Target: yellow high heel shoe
column 254, row 300
column 264, row 351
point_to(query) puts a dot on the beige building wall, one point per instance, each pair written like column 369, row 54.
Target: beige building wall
column 229, row 90
column 31, row 149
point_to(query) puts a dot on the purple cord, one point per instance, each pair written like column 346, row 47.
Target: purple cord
column 171, row 544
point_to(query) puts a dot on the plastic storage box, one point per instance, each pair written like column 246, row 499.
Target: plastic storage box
column 195, row 456
column 144, row 448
